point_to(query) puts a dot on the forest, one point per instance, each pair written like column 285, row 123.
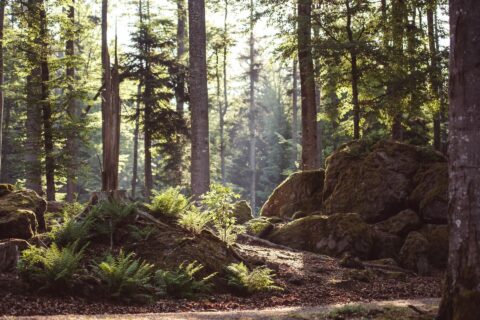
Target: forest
column 248, row 159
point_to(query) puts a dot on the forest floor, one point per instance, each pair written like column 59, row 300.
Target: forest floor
column 309, row 280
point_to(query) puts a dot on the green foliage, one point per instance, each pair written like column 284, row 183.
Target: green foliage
column 220, row 204
column 247, row 282
column 72, row 230
column 194, row 220
column 257, row 225
column 169, row 203
column 111, row 215
column 126, row 278
column 50, row 268
column 142, row 233
column 183, row 282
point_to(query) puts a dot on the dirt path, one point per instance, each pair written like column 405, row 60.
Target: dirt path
column 293, row 313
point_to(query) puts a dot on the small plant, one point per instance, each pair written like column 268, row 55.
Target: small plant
column 72, row 230
column 142, row 233
column 111, row 215
column 194, row 220
column 220, row 204
column 50, row 268
column 247, row 282
column 169, row 203
column 182, row 282
column 126, row 278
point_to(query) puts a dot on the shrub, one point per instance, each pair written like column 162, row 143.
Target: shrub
column 182, row 282
column 247, row 282
column 169, row 203
column 50, row 268
column 194, row 220
column 126, row 278
column 111, row 215
column 142, row 233
column 72, row 230
column 220, row 204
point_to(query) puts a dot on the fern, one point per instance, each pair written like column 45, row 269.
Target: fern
column 50, row 268
column 126, row 278
column 194, row 219
column 142, row 233
column 72, row 230
column 247, row 282
column 169, row 203
column 182, row 282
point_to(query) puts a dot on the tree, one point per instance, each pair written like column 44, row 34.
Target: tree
column 181, row 37
column 253, row 75
column 200, row 166
column 3, row 3
column 110, row 115
column 307, row 84
column 461, row 296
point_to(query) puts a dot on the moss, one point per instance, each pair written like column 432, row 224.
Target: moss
column 6, row 188
column 257, row 226
column 17, row 223
column 242, row 212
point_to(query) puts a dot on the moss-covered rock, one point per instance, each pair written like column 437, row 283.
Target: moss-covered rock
column 386, row 245
column 17, row 223
column 430, row 195
column 259, row 227
column 374, row 181
column 21, row 213
column 242, row 212
column 400, row 224
column 331, row 235
column 437, row 237
column 6, row 188
column 414, row 253
column 301, row 191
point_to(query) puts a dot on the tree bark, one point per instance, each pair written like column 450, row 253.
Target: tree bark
column 181, row 21
column 307, row 84
column 354, row 74
column 223, row 112
column 72, row 142
column 434, row 79
column 295, row 111
column 252, row 115
column 135, row 142
column 110, row 137
column 461, row 297
column 200, row 154
column 3, row 3
column 46, row 106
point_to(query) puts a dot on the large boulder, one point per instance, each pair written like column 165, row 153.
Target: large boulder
column 333, row 235
column 242, row 212
column 430, row 195
column 373, row 180
column 437, row 237
column 414, row 253
column 400, row 224
column 301, row 191
column 21, row 213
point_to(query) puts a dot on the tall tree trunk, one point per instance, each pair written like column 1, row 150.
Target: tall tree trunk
column 295, row 111
column 354, row 74
column 110, row 130
column 72, row 142
column 200, row 166
column 46, row 106
column 3, row 3
column 181, row 21
column 223, row 112
column 135, row 142
column 461, row 297
column 398, row 31
column 33, row 125
column 307, row 84
column 431, row 6
column 252, row 115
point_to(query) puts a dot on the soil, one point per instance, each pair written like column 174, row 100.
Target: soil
column 308, row 280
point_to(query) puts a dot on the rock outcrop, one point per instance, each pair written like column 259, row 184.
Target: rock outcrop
column 302, row 191
column 242, row 212
column 21, row 213
column 333, row 235
column 398, row 193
